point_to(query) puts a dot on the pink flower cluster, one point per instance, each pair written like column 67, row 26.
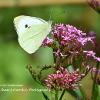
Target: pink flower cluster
column 92, row 54
column 63, row 79
column 68, row 34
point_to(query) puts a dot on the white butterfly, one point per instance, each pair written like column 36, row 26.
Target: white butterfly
column 31, row 32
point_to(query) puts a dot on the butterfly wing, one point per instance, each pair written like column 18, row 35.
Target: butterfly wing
column 32, row 39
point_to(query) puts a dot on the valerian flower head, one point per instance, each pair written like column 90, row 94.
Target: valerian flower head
column 70, row 39
column 66, row 33
column 69, row 34
column 63, row 79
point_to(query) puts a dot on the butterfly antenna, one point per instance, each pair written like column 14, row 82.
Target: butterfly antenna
column 50, row 15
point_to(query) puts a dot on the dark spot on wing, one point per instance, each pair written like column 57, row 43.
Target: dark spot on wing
column 26, row 26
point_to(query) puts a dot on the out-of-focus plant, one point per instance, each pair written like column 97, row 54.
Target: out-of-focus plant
column 95, row 4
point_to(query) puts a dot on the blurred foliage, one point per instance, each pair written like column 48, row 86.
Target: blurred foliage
column 13, row 60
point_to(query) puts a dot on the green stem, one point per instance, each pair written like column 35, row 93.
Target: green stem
column 56, row 94
column 95, row 77
column 95, row 89
column 62, row 95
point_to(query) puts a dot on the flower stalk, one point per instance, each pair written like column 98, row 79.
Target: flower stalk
column 56, row 94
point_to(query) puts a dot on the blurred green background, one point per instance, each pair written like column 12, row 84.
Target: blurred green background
column 13, row 59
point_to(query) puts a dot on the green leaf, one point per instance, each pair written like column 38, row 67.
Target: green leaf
column 96, row 92
column 96, row 87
